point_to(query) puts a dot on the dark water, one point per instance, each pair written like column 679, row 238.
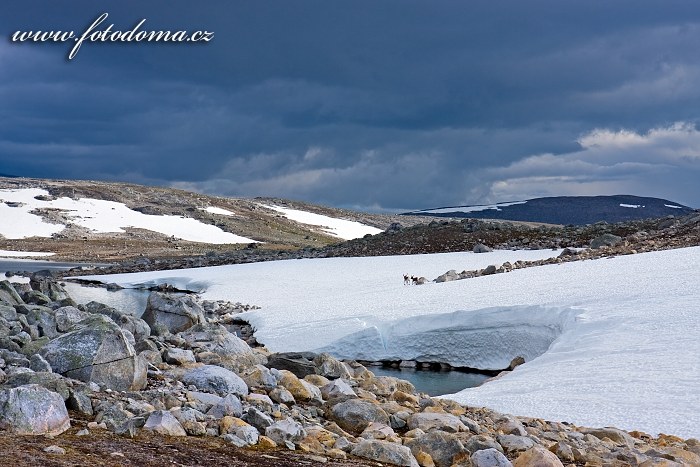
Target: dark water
column 434, row 383
column 31, row 265
column 132, row 301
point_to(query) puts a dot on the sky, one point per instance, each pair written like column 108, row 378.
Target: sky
column 383, row 106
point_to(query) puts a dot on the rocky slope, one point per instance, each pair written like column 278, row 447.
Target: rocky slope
column 83, row 374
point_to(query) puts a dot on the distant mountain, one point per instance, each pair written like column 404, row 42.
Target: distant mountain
column 7, row 176
column 576, row 210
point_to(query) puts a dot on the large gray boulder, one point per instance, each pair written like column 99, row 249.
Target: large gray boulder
column 48, row 287
column 490, row 458
column 354, row 415
column 299, row 363
column 33, row 410
column 98, row 351
column 165, row 423
column 136, row 326
column 286, row 432
column 384, row 451
column 41, row 317
column 605, row 240
column 215, row 379
column 442, row 447
column 172, row 313
column 8, row 294
column 436, row 421
column 216, row 339
column 68, row 316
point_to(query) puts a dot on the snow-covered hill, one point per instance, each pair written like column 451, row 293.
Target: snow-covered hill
column 576, row 210
column 608, row 342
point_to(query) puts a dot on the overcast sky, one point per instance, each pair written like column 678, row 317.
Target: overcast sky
column 381, row 105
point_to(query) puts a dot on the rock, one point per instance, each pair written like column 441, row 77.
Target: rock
column 436, row 421
column 481, row 248
column 216, row 339
column 384, row 451
column 449, row 276
column 33, row 410
column 296, row 387
column 490, row 458
column 354, row 415
column 248, row 434
column 163, row 422
column 229, row 405
column 378, row 431
column 53, row 449
column 259, row 377
column 282, row 396
column 136, row 326
column 442, row 447
column 617, row 436
column 215, row 379
column 298, row 363
column 39, row 364
column 177, row 356
column 490, row 269
column 331, row 367
column 337, row 390
column 537, row 457
column 36, row 298
column 8, row 295
column 605, row 240
column 48, row 287
column 172, row 313
column 258, row 419
column 286, row 432
column 266, row 443
column 51, row 381
column 41, row 317
column 479, row 442
column 97, row 351
column 68, row 316
column 515, row 443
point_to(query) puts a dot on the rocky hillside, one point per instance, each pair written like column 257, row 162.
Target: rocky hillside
column 248, row 218
column 575, row 210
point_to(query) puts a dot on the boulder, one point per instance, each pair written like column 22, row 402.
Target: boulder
column 40, row 317
column 229, row 405
column 172, row 313
column 436, row 421
column 298, row 363
column 605, row 240
column 8, row 294
column 215, row 379
column 165, row 423
column 331, row 367
column 259, row 377
column 337, row 390
column 384, row 451
column 33, row 410
column 48, row 287
column 490, row 458
column 68, row 316
column 216, row 339
column 354, row 415
column 98, row 351
column 537, row 457
column 442, row 447
column 177, row 356
column 51, row 381
column 616, row 435
column 449, row 276
column 286, row 432
column 479, row 442
column 136, row 326
column 481, row 248
column 514, row 443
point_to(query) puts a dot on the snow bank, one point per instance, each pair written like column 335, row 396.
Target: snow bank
column 633, row 206
column 99, row 216
column 23, row 254
column 220, row 211
column 495, row 207
column 486, row 339
column 629, row 359
column 340, row 228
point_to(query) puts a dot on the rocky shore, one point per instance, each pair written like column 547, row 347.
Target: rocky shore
column 188, row 370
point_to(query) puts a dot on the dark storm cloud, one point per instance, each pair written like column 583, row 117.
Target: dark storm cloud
column 386, row 105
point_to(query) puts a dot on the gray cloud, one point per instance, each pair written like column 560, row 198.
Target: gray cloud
column 402, row 105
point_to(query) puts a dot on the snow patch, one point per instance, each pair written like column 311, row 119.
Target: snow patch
column 340, row 228
column 98, row 216
column 672, row 206
column 485, row 207
column 634, row 206
column 220, row 211
column 22, row 254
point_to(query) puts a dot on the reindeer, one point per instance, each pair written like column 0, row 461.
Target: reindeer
column 406, row 280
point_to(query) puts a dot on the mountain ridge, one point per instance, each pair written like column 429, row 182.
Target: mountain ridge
column 574, row 210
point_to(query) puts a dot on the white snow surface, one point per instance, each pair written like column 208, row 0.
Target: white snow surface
column 22, row 254
column 340, row 228
column 220, row 211
column 495, row 207
column 673, row 206
column 634, row 206
column 624, row 332
column 98, row 216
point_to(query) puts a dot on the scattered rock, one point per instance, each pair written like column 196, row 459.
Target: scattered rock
column 33, row 410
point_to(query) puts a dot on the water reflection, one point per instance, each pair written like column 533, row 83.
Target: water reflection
column 434, row 383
